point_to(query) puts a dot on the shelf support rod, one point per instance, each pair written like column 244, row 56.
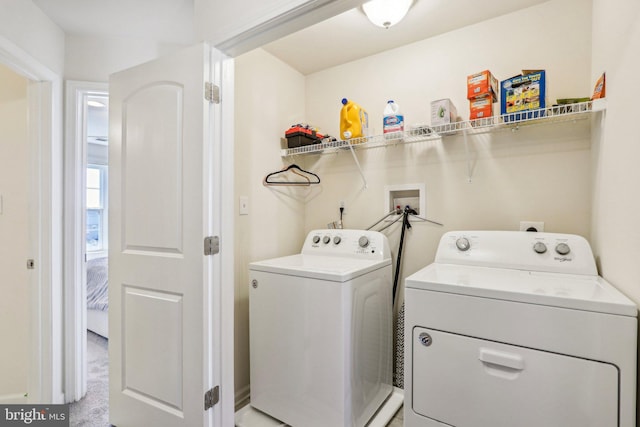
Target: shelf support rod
column 355, row 158
column 466, row 149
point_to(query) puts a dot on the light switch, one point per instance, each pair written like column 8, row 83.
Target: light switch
column 244, row 205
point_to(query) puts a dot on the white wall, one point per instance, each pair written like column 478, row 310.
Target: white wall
column 24, row 25
column 616, row 205
column 538, row 173
column 14, row 233
column 269, row 97
column 240, row 26
column 95, row 58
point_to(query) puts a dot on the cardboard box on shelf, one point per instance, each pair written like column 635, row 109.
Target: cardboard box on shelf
column 481, row 108
column 443, row 112
column 482, row 84
column 600, row 91
column 523, row 93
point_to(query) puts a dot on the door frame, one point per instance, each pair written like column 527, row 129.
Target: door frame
column 75, row 316
column 45, row 139
column 222, row 118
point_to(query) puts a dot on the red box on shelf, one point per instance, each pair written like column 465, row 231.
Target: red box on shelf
column 481, row 108
column 482, row 84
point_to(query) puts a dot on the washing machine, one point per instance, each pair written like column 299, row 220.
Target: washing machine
column 512, row 329
column 321, row 330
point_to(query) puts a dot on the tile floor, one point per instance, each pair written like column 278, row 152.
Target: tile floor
column 397, row 420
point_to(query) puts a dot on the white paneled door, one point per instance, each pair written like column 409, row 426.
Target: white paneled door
column 162, row 287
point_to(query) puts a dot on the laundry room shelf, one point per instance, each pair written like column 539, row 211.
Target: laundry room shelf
column 555, row 114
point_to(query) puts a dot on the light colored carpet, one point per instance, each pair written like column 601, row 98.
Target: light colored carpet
column 93, row 409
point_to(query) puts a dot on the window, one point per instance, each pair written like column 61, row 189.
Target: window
column 96, row 199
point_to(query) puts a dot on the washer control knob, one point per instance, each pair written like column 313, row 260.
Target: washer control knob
column 463, row 244
column 337, row 240
column 363, row 241
column 326, row 239
column 540, row 248
column 563, row 248
column 316, row 239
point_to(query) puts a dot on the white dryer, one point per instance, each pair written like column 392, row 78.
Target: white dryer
column 321, row 330
column 512, row 329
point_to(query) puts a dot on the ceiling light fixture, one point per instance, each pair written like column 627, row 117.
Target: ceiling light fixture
column 385, row 13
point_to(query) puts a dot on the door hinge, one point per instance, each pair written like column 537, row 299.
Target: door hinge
column 211, row 397
column 212, row 93
column 211, row 245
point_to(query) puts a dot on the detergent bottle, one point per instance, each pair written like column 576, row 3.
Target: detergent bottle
column 354, row 120
column 392, row 121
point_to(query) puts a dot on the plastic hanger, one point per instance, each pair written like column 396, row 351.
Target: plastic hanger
column 305, row 177
column 310, row 177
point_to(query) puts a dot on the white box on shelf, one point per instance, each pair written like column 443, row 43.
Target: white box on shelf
column 443, row 112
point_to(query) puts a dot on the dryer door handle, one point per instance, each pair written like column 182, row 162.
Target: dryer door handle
column 500, row 358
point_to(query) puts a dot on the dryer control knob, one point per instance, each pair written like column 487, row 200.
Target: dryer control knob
column 540, row 248
column 316, row 239
column 563, row 248
column 326, row 239
column 363, row 241
column 337, row 240
column 463, row 244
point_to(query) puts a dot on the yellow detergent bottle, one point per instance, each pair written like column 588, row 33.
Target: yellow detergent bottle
column 354, row 120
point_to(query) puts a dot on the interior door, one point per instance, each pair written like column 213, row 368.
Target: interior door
column 161, row 284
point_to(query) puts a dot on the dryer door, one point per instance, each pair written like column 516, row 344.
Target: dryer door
column 469, row 382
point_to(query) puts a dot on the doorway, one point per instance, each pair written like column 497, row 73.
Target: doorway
column 96, row 242
column 86, row 220
column 14, row 233
column 44, row 383
column 93, row 407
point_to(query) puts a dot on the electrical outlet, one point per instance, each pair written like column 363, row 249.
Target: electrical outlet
column 532, row 226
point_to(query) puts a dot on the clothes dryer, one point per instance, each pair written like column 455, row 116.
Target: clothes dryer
column 517, row 329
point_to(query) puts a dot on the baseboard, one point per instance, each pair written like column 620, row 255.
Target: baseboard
column 243, row 396
column 13, row 399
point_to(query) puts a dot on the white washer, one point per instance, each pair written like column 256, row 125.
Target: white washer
column 321, row 330
column 517, row 329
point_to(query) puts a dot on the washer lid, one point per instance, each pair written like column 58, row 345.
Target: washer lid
column 580, row 292
column 335, row 269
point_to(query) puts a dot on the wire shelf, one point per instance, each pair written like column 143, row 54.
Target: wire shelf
column 554, row 114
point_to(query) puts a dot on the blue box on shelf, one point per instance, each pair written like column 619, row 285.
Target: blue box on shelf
column 524, row 96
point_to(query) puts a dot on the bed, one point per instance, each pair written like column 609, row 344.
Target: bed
column 98, row 296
